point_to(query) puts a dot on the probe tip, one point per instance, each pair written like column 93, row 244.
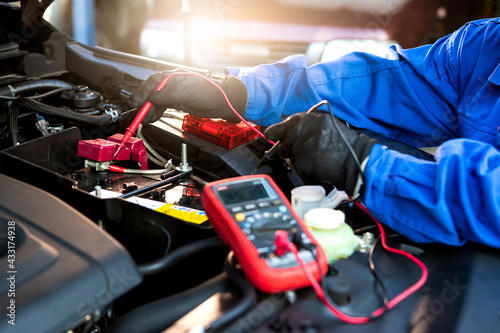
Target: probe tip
column 116, row 152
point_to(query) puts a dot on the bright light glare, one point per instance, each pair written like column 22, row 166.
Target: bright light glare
column 337, row 48
column 162, row 44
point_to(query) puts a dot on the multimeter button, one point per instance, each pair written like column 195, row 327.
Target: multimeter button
column 250, row 219
column 236, row 209
column 286, row 217
column 263, row 204
column 247, row 231
column 264, row 252
column 245, row 225
column 283, row 209
column 277, row 215
column 266, row 215
column 250, row 206
column 258, row 216
column 276, row 202
column 239, row 217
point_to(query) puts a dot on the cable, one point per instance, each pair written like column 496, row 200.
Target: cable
column 198, row 180
column 116, row 168
column 10, row 98
column 34, row 85
column 246, row 302
column 348, row 145
column 150, row 148
column 38, row 107
column 49, row 93
column 165, row 231
column 165, row 80
column 319, row 291
column 178, row 254
column 160, row 314
column 350, row 148
column 363, row 229
column 423, row 277
column 372, row 269
column 387, row 306
column 371, row 264
column 154, row 160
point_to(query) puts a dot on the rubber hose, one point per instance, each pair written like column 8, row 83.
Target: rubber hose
column 38, row 107
column 29, row 86
column 178, row 254
column 244, row 304
column 158, row 315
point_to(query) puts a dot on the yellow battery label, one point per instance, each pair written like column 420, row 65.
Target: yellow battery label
column 184, row 213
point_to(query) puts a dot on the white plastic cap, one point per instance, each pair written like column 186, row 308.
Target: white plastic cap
column 324, row 218
column 309, row 192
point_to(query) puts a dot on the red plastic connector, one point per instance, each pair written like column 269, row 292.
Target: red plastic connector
column 282, row 243
column 104, row 150
column 101, row 150
column 136, row 148
column 218, row 131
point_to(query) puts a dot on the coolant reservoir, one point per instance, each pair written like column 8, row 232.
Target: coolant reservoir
column 332, row 233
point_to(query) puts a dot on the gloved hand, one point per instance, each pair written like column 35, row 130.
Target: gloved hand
column 317, row 151
column 192, row 94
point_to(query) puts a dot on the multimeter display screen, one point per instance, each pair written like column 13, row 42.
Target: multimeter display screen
column 242, row 192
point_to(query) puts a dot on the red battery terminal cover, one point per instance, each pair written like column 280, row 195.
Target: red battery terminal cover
column 103, row 150
column 219, row 131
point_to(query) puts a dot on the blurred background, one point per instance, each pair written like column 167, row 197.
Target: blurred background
column 213, row 34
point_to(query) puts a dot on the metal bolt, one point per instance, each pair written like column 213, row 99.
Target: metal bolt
column 98, row 191
column 291, row 296
column 369, row 238
column 366, row 242
column 98, row 166
column 184, row 166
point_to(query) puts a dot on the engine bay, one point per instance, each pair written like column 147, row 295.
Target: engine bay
column 121, row 242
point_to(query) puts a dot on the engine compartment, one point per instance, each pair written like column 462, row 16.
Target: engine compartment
column 56, row 93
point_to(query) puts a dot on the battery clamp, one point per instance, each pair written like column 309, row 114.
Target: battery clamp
column 247, row 212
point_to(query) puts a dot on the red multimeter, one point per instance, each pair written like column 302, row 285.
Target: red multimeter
column 246, row 212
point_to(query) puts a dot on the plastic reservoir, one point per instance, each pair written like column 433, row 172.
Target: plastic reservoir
column 330, row 230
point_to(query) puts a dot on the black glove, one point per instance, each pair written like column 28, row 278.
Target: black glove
column 317, row 151
column 192, row 94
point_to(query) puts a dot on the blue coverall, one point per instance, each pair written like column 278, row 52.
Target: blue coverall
column 446, row 94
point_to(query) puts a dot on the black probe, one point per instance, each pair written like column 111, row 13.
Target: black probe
column 269, row 155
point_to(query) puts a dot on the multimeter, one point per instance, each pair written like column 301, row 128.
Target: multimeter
column 246, row 212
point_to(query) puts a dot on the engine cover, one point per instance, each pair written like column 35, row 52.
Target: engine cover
column 60, row 268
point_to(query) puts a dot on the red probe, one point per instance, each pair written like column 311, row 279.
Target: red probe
column 140, row 116
column 147, row 106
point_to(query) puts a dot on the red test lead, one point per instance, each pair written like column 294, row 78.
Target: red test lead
column 147, row 106
column 140, row 116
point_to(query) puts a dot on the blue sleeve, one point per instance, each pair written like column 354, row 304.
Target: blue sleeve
column 452, row 200
column 365, row 90
column 409, row 95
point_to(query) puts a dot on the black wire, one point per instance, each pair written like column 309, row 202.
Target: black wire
column 165, row 231
column 349, row 147
column 244, row 304
column 376, row 276
column 179, row 254
column 365, row 228
column 47, row 94
column 373, row 271
column 8, row 97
